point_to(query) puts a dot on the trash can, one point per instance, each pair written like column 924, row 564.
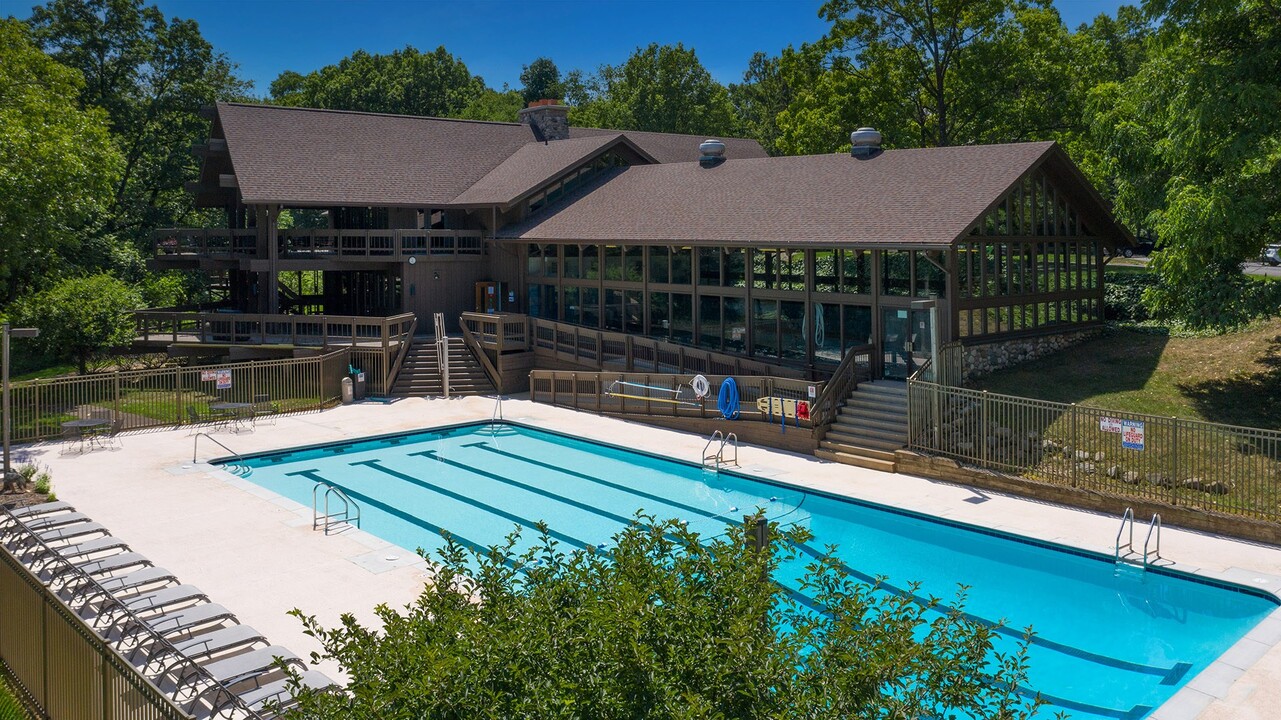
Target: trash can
column 346, row 391
column 358, row 385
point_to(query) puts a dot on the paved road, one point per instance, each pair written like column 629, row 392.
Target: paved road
column 1250, row 268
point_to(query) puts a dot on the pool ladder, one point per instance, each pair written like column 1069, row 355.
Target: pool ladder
column 1150, row 554
column 241, row 467
column 716, row 459
column 350, row 510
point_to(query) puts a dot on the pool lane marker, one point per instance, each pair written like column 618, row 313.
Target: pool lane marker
column 316, row 477
column 525, row 522
column 1169, row 676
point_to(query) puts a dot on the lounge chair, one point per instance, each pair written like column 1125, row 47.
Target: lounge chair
column 31, row 511
column 175, row 623
column 232, row 671
column 40, row 556
column 278, row 692
column 120, row 612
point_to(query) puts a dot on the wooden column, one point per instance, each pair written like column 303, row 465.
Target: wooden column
column 273, row 258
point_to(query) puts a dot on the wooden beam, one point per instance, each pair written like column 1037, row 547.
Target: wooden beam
column 228, row 181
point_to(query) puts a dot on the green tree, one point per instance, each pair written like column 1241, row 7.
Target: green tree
column 79, row 316
column 663, row 625
column 57, row 165
column 660, row 89
column 494, row 105
column 1194, row 142
column 151, row 75
column 541, row 81
column 766, row 90
column 405, row 82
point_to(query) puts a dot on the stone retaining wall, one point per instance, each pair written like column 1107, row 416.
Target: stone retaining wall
column 987, row 358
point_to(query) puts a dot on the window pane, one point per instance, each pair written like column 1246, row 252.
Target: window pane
column 573, row 312
column 793, row 266
column 858, row 325
column 826, row 272
column 895, row 272
column 549, row 260
column 591, row 262
column 765, row 328
column 827, row 332
column 792, row 328
column 534, row 262
column 734, row 325
column 681, row 266
column 533, row 301
column 660, row 317
column 765, row 269
column 613, row 262
column 930, row 280
column 709, row 266
column 735, row 272
column 591, row 306
column 634, row 264
column 633, row 311
column 682, row 318
column 856, row 272
column 658, row 264
column 709, row 322
column 550, row 297
column 613, row 309
column 572, row 270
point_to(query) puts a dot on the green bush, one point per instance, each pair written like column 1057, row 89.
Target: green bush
column 1123, row 295
column 665, row 625
column 43, row 483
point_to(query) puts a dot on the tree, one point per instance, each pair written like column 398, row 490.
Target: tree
column 57, row 165
column 765, row 92
column 1194, row 142
column 541, row 81
column 405, row 82
column 151, row 76
column 660, row 89
column 81, row 315
column 663, row 625
column 495, row 105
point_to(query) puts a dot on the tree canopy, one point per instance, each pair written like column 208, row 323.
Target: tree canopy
column 79, row 316
column 663, row 625
column 57, row 162
column 541, row 81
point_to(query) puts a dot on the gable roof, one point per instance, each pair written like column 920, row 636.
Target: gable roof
column 925, row 197
column 304, row 156
column 533, row 165
column 672, row 147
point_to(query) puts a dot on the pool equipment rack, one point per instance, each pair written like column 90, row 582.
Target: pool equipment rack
column 240, row 468
column 328, row 519
column 1154, row 533
column 716, row 459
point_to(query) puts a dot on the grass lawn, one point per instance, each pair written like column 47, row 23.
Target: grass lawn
column 1233, row 379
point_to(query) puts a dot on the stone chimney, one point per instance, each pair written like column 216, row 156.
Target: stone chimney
column 547, row 118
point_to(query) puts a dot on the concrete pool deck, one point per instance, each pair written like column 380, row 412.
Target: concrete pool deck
column 257, row 554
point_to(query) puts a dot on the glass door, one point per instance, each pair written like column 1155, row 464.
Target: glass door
column 905, row 341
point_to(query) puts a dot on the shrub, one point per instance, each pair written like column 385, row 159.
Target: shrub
column 1123, row 295
column 663, row 625
column 43, row 483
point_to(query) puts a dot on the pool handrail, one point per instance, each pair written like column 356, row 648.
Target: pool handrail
column 1127, row 517
column 195, row 443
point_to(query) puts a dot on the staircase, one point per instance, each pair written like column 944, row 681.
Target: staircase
column 870, row 427
column 420, row 374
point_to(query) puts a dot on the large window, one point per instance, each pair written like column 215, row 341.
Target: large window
column 659, row 271
column 778, row 269
column 682, row 266
column 896, row 272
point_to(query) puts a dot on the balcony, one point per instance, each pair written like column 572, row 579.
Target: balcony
column 179, row 244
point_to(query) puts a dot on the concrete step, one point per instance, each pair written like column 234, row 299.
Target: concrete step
column 875, row 453
column 869, row 420
column 856, row 460
column 875, row 443
column 880, row 433
column 859, row 414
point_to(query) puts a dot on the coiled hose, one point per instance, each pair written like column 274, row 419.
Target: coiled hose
column 727, row 401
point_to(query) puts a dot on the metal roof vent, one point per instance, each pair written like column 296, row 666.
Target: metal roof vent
column 711, row 153
column 865, row 142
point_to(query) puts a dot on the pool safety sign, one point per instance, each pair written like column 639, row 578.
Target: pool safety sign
column 1110, row 425
column 1132, row 434
column 223, row 379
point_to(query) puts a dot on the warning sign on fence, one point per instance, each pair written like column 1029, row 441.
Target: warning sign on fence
column 1132, row 434
column 1112, row 425
column 208, row 375
column 224, row 379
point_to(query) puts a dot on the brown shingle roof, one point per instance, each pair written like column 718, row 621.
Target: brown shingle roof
column 333, row 157
column 531, row 166
column 900, row 197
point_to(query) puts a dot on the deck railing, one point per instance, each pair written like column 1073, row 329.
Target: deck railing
column 855, row 367
column 303, row 243
column 1222, row 468
column 255, row 329
column 621, row 352
column 500, row 332
column 656, row 394
column 166, row 397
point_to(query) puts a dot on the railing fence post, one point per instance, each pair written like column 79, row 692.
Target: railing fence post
column 1174, row 470
column 1075, row 442
column 982, row 434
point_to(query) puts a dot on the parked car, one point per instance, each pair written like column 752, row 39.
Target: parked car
column 1271, row 255
column 1145, row 244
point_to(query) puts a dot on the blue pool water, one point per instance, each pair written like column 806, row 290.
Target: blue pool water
column 1111, row 642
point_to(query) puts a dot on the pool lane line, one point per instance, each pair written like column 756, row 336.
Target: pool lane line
column 316, row 477
column 485, row 507
column 484, row 445
column 1169, row 676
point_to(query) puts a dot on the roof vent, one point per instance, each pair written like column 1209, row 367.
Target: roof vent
column 711, row 153
column 865, row 142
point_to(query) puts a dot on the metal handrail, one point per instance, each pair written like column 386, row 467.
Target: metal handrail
column 1129, row 515
column 823, row 409
column 497, row 415
column 195, row 444
column 1154, row 525
column 711, row 439
column 345, row 516
column 732, row 440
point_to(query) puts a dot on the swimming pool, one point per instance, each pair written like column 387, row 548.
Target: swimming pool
column 1111, row 641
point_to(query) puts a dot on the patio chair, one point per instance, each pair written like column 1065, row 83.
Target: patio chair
column 278, row 691
column 41, row 555
column 242, row 668
column 31, row 511
column 264, row 407
column 112, row 438
column 173, row 624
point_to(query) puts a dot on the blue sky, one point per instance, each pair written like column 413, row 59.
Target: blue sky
column 496, row 38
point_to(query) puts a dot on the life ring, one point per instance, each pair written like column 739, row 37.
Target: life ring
column 700, row 386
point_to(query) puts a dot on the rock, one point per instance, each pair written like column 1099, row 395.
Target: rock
column 1130, row 477
column 965, row 447
column 1049, row 445
column 1098, row 456
column 1193, row 484
column 1033, row 435
column 1219, row 487
column 1158, row 479
column 1114, row 471
column 1086, row 468
column 1003, row 432
column 1082, row 455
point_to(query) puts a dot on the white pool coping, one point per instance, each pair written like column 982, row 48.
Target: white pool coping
column 255, row 551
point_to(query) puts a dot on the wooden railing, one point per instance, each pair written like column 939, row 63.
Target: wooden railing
column 501, row 332
column 303, row 244
column 254, row 329
column 476, row 344
column 854, row 367
column 389, row 378
column 602, row 392
column 609, row 350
